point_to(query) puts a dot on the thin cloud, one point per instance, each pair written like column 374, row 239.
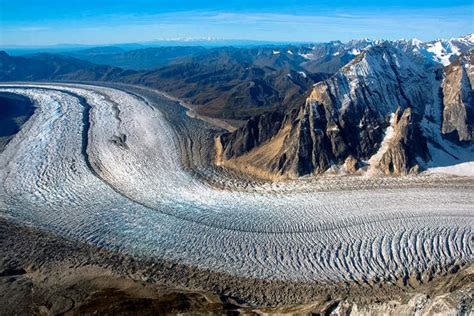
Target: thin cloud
column 425, row 24
column 33, row 28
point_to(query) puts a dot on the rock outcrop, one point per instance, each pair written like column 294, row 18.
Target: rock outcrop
column 458, row 98
column 404, row 147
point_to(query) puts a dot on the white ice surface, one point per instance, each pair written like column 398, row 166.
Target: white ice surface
column 143, row 203
column 461, row 169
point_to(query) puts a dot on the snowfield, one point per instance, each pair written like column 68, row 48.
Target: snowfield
column 102, row 166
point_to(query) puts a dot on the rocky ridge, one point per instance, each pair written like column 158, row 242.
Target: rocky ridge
column 369, row 113
column 458, row 110
column 440, row 51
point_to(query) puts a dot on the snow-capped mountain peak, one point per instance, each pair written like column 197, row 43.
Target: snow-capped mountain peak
column 440, row 51
column 466, row 39
column 416, row 42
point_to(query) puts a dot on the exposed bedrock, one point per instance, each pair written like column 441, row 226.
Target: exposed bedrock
column 344, row 116
column 458, row 105
column 405, row 145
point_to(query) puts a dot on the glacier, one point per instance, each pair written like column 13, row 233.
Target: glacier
column 101, row 165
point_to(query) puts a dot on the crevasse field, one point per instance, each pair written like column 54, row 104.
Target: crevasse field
column 102, row 166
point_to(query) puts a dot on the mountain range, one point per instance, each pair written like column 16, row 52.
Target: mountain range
column 391, row 107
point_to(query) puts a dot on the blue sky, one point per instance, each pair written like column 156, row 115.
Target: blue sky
column 41, row 22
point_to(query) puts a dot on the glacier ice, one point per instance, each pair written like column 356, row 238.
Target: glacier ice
column 102, row 166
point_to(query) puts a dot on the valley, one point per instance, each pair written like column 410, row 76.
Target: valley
column 150, row 207
column 314, row 178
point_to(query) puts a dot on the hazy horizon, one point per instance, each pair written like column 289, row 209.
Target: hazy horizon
column 106, row 22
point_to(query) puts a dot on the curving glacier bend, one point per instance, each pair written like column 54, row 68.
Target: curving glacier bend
column 102, row 165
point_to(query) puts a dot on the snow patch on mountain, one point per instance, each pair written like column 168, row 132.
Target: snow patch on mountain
column 375, row 159
column 441, row 51
column 307, row 56
column 303, row 74
column 354, row 51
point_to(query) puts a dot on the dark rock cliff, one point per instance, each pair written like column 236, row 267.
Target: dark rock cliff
column 458, row 98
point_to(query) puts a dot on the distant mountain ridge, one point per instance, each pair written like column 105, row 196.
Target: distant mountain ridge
column 320, row 57
column 137, row 59
column 443, row 51
column 54, row 67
